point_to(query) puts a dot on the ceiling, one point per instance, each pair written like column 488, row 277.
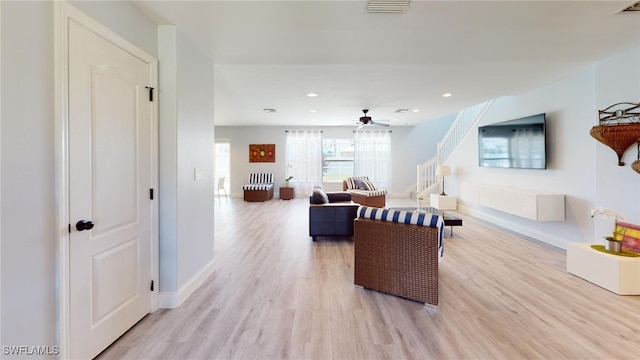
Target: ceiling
column 270, row 54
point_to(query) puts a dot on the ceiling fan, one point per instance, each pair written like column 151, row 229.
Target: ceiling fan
column 366, row 120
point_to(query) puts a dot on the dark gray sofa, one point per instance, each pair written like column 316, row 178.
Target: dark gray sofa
column 331, row 214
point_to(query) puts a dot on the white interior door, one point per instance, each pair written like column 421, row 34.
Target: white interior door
column 110, row 176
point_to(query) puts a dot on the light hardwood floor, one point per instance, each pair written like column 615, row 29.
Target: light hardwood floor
column 275, row 294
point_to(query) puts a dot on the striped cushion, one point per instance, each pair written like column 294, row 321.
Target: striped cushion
column 257, row 187
column 260, row 178
column 368, row 193
column 351, row 184
column 406, row 217
column 369, row 185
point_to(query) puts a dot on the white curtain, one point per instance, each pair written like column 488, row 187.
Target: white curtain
column 304, row 160
column 373, row 157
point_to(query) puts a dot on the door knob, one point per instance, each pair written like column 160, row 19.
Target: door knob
column 84, row 225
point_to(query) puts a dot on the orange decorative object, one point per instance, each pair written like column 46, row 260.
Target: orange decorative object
column 619, row 127
column 262, row 153
column 618, row 137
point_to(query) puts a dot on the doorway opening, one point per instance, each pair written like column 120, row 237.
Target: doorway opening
column 222, row 166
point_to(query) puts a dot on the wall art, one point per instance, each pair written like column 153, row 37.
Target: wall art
column 262, row 153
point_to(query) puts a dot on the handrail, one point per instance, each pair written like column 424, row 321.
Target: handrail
column 427, row 175
column 460, row 129
column 427, row 181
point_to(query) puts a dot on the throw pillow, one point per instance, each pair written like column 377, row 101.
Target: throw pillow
column 319, row 196
column 369, row 185
column 360, row 184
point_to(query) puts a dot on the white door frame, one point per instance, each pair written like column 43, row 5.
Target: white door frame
column 65, row 13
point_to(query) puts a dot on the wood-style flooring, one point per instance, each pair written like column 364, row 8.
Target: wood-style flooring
column 275, row 294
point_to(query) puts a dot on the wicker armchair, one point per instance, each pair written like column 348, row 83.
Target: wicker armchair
column 397, row 258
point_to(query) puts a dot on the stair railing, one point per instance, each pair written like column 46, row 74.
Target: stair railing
column 461, row 127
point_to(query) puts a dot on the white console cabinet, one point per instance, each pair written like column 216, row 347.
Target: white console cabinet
column 531, row 204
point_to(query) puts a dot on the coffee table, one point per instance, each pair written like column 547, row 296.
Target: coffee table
column 449, row 220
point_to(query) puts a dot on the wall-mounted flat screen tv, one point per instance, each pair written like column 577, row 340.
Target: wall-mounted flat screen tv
column 518, row 143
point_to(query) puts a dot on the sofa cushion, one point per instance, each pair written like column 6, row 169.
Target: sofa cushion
column 319, row 196
column 368, row 193
column 339, row 196
column 261, row 187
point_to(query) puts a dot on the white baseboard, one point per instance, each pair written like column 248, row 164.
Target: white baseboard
column 172, row 300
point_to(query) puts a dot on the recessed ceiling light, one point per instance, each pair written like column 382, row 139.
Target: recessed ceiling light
column 447, row 94
column 396, row 120
column 311, row 94
column 267, row 110
column 402, row 111
column 312, row 111
column 314, row 120
column 416, row 110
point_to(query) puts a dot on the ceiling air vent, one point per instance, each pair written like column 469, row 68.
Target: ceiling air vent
column 633, row 7
column 388, row 6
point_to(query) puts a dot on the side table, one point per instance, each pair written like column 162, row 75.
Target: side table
column 618, row 274
column 287, row 192
column 443, row 202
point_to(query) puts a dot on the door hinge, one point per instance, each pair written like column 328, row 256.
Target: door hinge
column 151, row 285
column 69, row 228
column 150, row 93
column 151, row 194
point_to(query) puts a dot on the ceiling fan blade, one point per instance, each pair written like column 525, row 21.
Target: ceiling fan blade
column 360, row 126
column 378, row 123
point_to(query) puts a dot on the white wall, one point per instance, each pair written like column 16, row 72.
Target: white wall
column 186, row 143
column 168, row 157
column 195, row 150
column 28, row 249
column 578, row 166
column 28, row 205
column 123, row 19
column 410, row 146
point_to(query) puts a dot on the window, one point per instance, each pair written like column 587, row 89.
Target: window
column 337, row 159
column 304, row 159
column 373, row 157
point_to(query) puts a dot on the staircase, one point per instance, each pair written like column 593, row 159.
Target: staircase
column 461, row 128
